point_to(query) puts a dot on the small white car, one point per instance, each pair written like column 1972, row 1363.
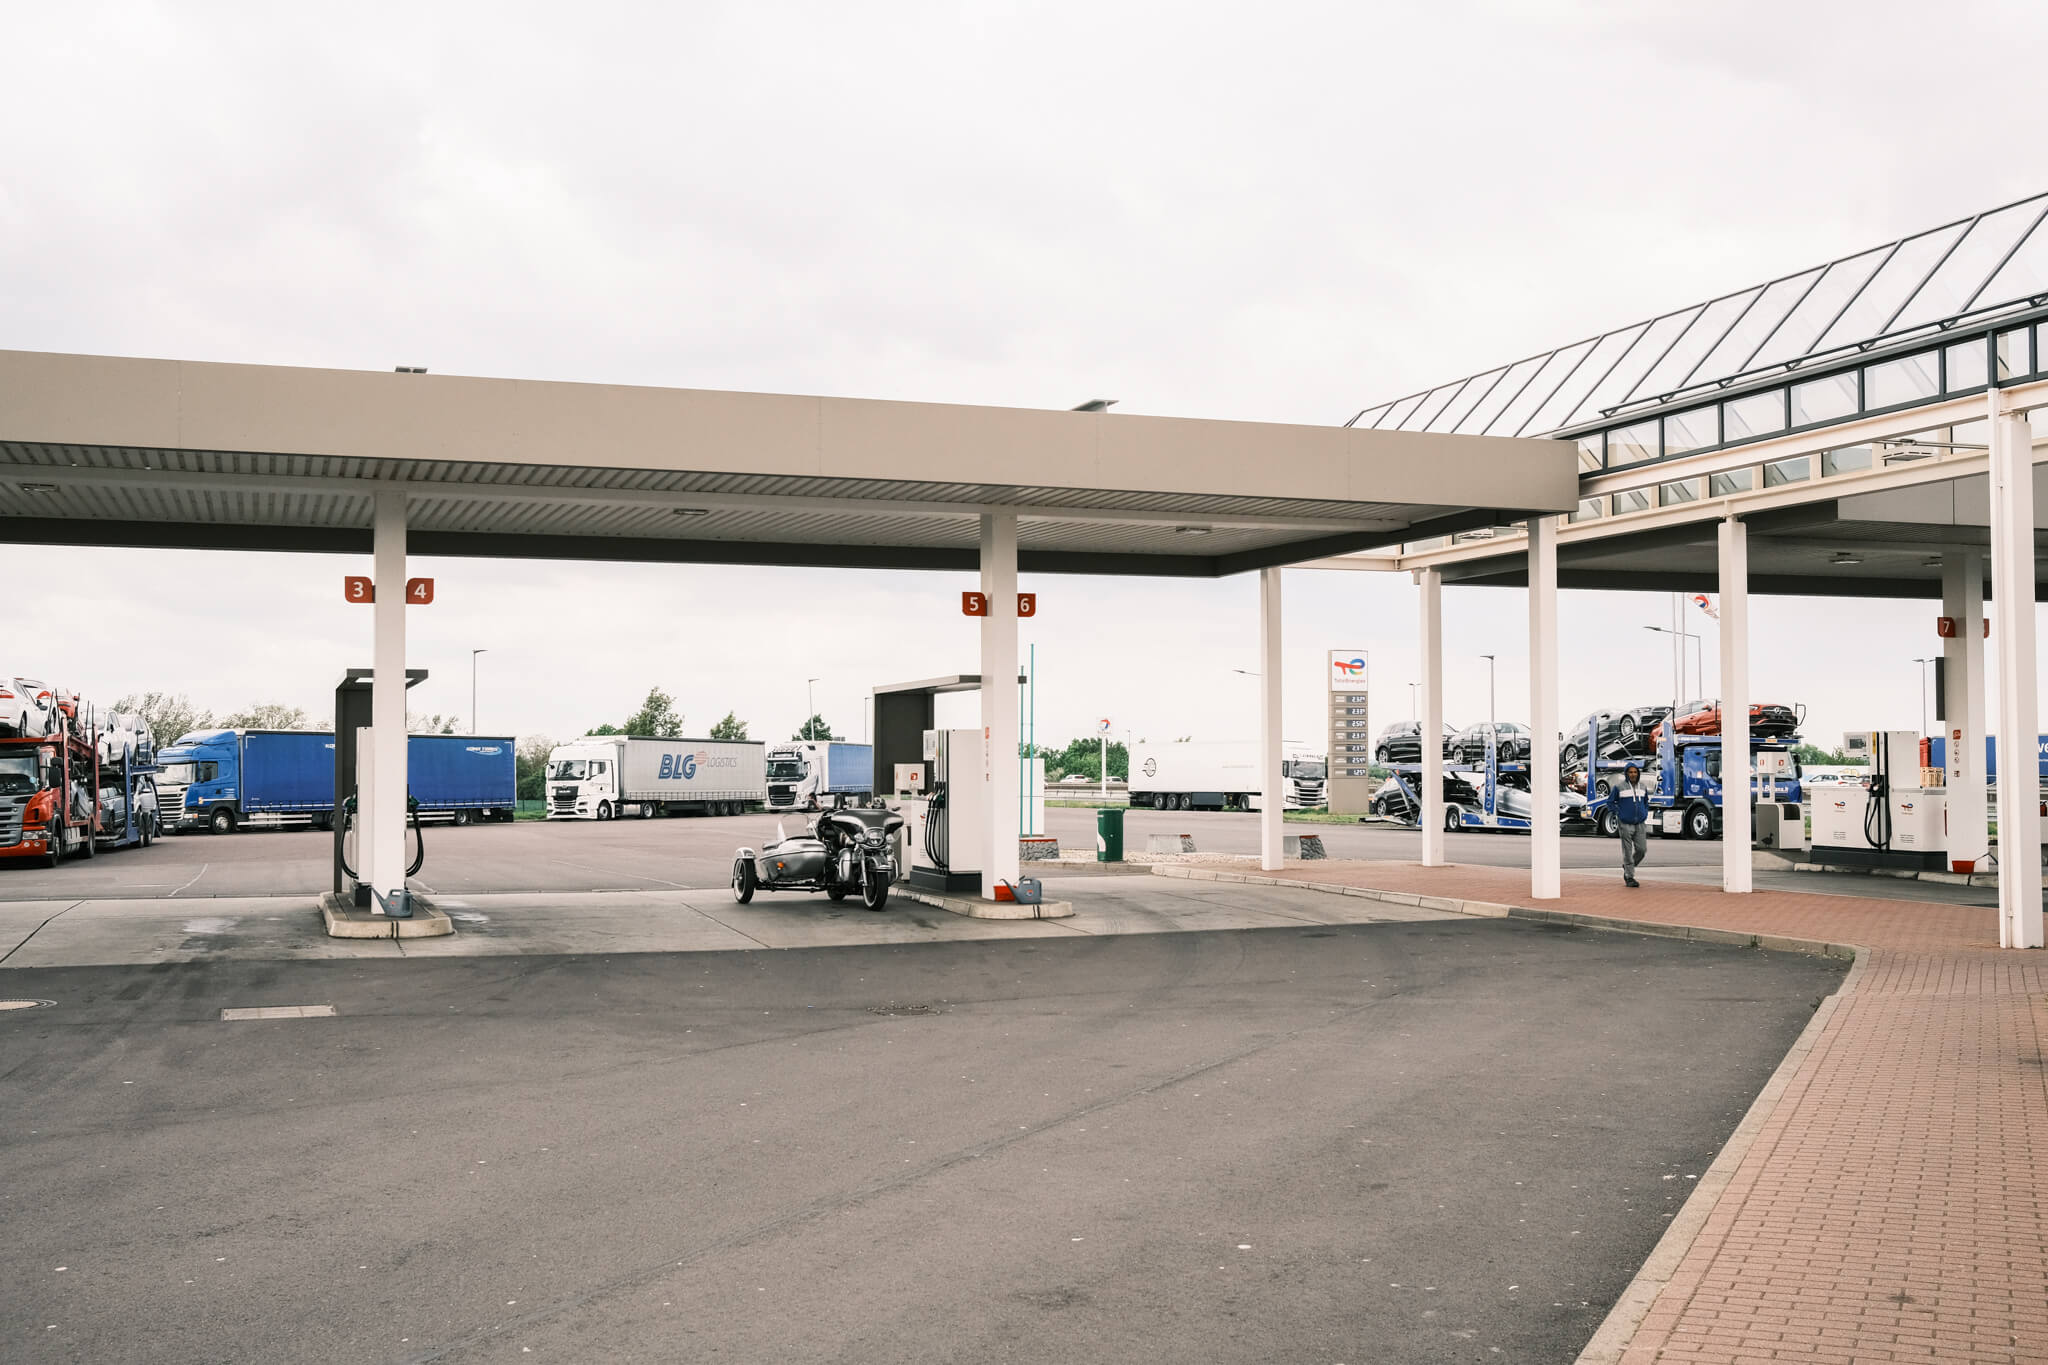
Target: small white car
column 28, row 708
column 124, row 735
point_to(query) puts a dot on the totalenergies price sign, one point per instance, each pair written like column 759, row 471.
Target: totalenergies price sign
column 1348, row 668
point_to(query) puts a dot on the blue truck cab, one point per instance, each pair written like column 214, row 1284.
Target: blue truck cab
column 1685, row 779
column 219, row 779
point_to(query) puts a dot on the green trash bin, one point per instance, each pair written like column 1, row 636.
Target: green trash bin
column 1109, row 835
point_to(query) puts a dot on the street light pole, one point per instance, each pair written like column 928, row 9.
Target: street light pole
column 811, row 705
column 472, row 687
column 1923, row 693
column 1489, row 695
column 1413, row 714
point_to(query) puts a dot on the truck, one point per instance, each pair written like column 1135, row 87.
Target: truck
column 1222, row 774
column 1487, row 795
column 221, row 780
column 129, row 814
column 49, row 794
column 808, row 774
column 1686, row 780
column 605, row 777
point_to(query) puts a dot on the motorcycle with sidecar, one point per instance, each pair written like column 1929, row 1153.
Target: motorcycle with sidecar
column 849, row 852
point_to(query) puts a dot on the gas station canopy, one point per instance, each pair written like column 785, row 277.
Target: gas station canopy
column 115, row 451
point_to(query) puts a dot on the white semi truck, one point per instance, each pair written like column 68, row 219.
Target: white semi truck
column 605, row 777
column 810, row 774
column 1222, row 775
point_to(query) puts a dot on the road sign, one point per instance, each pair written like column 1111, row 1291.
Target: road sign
column 1027, row 604
column 419, row 591
column 357, row 588
column 974, row 604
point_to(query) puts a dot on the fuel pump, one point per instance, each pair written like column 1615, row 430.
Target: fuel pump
column 1892, row 821
column 354, row 771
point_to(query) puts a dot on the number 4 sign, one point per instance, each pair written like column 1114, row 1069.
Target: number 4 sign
column 419, row 591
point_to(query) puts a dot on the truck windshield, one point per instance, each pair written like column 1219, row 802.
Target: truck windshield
column 1306, row 770
column 184, row 773
column 786, row 770
column 17, row 774
column 568, row 770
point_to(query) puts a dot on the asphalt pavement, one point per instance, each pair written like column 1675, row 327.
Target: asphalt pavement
column 1420, row 1142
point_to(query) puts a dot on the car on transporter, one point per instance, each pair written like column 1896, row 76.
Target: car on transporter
column 1510, row 742
column 1623, row 733
column 1767, row 719
column 1401, row 742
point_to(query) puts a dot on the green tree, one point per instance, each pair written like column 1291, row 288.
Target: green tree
column 1813, row 753
column 530, row 767
column 606, row 729
column 269, row 715
column 732, row 727
column 815, row 728
column 657, row 717
column 1084, row 756
column 436, row 724
column 169, row 718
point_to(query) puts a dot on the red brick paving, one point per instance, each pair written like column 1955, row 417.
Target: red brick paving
column 1892, row 1206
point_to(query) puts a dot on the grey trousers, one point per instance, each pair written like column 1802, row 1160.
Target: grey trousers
column 1635, row 846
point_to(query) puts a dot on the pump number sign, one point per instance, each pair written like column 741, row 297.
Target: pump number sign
column 419, row 592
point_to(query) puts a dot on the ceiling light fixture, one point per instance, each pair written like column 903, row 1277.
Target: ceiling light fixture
column 1844, row 557
column 37, row 487
column 1095, row 405
column 689, row 511
column 409, row 369
column 1191, row 530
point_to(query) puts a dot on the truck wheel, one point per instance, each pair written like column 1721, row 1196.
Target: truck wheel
column 1453, row 822
column 90, row 845
column 604, row 810
column 1609, row 824
column 1699, row 822
column 54, row 850
column 461, row 817
column 222, row 821
column 743, row 881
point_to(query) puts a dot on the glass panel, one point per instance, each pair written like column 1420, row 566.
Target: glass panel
column 1888, row 288
column 1455, row 411
column 1635, row 500
column 1957, row 278
column 1630, row 445
column 1760, row 414
column 2022, row 277
column 1796, row 470
column 1844, row 461
column 1520, row 410
column 1714, row 321
column 1671, row 494
column 2013, row 359
column 1824, row 400
column 1481, row 417
column 1731, row 356
column 1568, row 408
column 1370, row 418
column 1734, row 481
column 1693, row 430
column 1977, row 433
column 1818, row 308
column 1965, row 365
column 1610, row 392
column 1589, row 452
column 1900, row 381
column 1590, row 509
column 1432, row 405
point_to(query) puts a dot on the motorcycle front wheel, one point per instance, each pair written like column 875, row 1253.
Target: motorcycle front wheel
column 874, row 888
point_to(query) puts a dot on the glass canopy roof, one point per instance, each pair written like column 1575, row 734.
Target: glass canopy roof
column 1918, row 285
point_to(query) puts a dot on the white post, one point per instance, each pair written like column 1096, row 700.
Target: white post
column 385, row 844
column 1735, row 761
column 1962, row 720
column 1272, row 790
column 1546, row 852
column 2012, row 615
column 1431, row 736
column 999, row 696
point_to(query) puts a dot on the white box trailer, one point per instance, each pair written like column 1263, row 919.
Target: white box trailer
column 602, row 777
column 1222, row 775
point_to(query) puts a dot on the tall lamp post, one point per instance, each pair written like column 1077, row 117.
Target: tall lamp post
column 1489, row 696
column 810, row 704
column 1923, row 694
column 1413, row 714
column 472, row 687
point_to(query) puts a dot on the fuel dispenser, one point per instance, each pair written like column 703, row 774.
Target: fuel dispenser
column 949, row 825
column 352, row 772
column 1892, row 822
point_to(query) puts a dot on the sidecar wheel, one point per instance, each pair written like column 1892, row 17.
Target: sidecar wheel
column 836, row 893
column 743, row 880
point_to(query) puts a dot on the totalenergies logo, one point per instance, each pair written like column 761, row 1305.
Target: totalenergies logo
column 1348, row 669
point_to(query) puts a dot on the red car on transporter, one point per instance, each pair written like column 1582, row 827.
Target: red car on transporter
column 1767, row 720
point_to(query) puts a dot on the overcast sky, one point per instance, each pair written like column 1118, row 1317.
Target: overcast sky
column 1284, row 213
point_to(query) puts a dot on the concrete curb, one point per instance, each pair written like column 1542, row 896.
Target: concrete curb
column 974, row 907
column 1615, row 1333
column 343, row 920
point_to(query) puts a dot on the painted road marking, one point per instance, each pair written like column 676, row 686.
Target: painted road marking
column 280, row 1012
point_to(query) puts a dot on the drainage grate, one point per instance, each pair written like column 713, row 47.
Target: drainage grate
column 903, row 1009
column 6, row 1005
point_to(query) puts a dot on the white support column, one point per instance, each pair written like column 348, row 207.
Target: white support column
column 1735, row 760
column 1272, row 790
column 2012, row 616
column 385, row 826
column 999, row 697
column 1962, row 719
column 1431, row 736
column 1546, row 851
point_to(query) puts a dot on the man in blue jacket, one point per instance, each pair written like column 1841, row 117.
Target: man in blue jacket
column 1632, row 813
